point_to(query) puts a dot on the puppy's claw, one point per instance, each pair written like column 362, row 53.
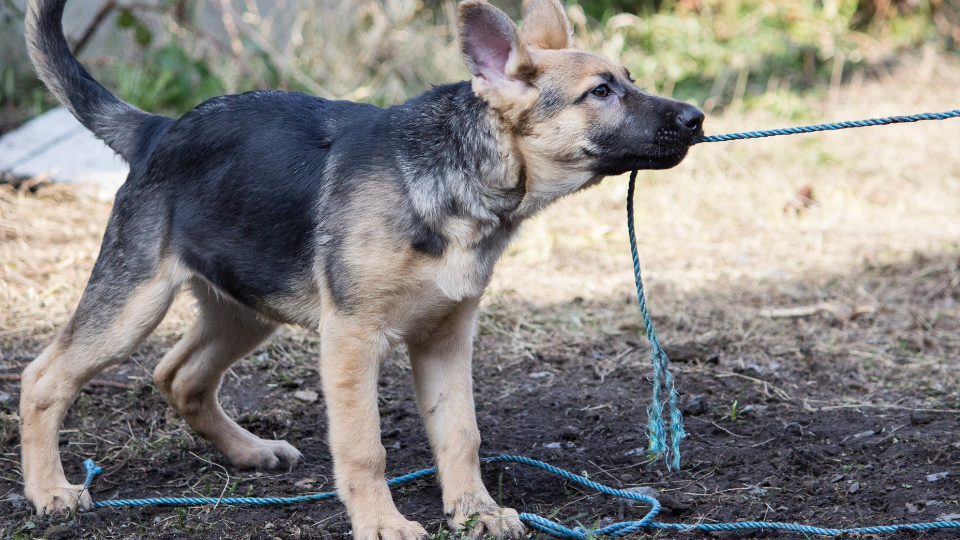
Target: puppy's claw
column 61, row 499
column 497, row 522
column 504, row 524
column 394, row 529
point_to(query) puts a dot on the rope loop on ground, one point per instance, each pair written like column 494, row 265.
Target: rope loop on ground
column 534, row 521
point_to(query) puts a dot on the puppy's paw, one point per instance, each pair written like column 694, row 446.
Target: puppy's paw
column 266, row 455
column 394, row 528
column 481, row 518
column 60, row 499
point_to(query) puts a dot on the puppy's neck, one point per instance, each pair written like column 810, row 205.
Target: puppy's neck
column 458, row 158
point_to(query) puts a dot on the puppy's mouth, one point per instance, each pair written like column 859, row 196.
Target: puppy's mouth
column 665, row 151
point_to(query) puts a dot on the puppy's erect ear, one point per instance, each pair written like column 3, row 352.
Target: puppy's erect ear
column 492, row 47
column 545, row 25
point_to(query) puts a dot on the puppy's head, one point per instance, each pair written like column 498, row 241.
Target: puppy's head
column 575, row 116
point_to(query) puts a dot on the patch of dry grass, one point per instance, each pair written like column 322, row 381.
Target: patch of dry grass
column 717, row 246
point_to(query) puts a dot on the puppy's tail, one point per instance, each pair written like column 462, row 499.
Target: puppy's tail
column 125, row 128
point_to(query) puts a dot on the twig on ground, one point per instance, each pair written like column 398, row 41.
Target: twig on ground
column 837, row 310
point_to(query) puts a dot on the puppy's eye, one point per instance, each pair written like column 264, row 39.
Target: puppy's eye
column 601, row 91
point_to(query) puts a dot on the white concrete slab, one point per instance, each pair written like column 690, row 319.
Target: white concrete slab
column 55, row 145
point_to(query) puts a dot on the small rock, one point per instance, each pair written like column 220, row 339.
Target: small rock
column 308, row 396
column 694, row 405
column 948, row 517
column 552, row 446
column 913, row 509
column 758, row 408
column 646, row 491
column 635, row 451
column 757, row 490
column 673, row 505
column 59, row 532
column 937, row 476
column 569, row 433
column 854, row 487
column 837, row 477
column 4, row 397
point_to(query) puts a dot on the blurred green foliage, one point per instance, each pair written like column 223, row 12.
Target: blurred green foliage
column 717, row 52
column 167, row 79
column 173, row 54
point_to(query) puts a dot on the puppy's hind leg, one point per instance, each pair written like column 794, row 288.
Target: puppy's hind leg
column 189, row 377
column 118, row 309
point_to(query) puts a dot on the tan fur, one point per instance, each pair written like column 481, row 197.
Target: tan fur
column 51, row 383
column 189, row 377
column 545, row 25
column 442, row 376
column 399, row 295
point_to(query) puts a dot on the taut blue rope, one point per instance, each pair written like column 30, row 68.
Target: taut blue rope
column 537, row 522
column 834, row 126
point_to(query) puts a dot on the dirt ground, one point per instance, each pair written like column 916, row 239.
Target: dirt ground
column 816, row 348
column 781, row 429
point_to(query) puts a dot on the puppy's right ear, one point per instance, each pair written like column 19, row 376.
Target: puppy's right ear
column 496, row 56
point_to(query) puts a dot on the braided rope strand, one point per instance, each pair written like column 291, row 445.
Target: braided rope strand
column 833, row 126
column 539, row 523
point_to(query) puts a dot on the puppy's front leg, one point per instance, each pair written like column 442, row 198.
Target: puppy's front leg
column 351, row 352
column 441, row 371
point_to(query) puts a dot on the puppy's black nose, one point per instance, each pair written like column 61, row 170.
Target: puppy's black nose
column 690, row 118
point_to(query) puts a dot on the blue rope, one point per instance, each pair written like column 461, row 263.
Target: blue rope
column 660, row 443
column 537, row 522
column 833, row 126
column 667, row 444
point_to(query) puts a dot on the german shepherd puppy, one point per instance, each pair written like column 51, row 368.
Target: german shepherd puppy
column 374, row 227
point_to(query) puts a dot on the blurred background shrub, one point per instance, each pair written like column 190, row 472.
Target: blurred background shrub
column 168, row 55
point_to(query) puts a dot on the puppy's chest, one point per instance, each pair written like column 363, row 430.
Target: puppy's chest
column 462, row 271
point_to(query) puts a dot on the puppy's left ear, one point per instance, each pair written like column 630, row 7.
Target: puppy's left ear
column 496, row 57
column 545, row 25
